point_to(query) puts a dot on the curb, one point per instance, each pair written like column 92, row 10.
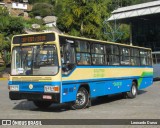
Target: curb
column 3, row 79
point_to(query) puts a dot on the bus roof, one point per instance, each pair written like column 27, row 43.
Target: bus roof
column 107, row 42
column 83, row 38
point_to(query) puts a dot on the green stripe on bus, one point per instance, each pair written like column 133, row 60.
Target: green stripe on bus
column 144, row 74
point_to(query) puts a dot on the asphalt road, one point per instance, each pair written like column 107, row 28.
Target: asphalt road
column 145, row 106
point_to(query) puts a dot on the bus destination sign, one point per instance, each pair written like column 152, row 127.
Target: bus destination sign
column 34, row 38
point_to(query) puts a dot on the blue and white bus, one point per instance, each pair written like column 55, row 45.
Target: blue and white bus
column 51, row 68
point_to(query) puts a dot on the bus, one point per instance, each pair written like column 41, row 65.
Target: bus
column 156, row 65
column 51, row 68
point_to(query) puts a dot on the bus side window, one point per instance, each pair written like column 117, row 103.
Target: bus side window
column 149, row 58
column 113, row 54
column 98, row 54
column 82, row 52
column 83, row 58
column 135, row 57
column 67, row 54
column 143, row 58
column 125, row 56
column 132, row 62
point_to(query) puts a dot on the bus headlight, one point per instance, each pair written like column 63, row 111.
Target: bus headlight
column 14, row 87
column 51, row 89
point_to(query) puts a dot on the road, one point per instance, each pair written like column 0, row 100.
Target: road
column 145, row 106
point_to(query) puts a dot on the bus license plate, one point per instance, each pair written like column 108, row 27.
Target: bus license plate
column 48, row 97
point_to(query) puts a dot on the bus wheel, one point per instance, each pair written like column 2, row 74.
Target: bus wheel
column 133, row 92
column 42, row 104
column 82, row 99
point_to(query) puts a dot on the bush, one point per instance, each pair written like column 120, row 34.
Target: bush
column 42, row 9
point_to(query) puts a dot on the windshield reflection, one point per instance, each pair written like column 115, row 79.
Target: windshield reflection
column 35, row 60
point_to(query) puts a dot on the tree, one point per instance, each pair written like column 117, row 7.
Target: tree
column 15, row 26
column 82, row 18
column 8, row 27
column 42, row 9
column 4, row 11
column 4, row 15
column 140, row 1
column 5, row 49
column 41, row 1
column 114, row 4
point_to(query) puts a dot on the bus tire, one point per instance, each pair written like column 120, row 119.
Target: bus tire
column 42, row 104
column 82, row 99
column 133, row 92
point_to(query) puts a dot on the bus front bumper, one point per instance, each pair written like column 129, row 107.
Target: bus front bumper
column 55, row 97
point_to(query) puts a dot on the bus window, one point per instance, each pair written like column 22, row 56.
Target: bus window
column 83, row 49
column 149, row 57
column 144, row 59
column 82, row 46
column 67, row 54
column 113, row 53
column 83, row 58
column 135, row 57
column 98, row 54
column 125, row 56
column 113, row 60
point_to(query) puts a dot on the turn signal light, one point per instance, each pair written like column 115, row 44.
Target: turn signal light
column 56, row 88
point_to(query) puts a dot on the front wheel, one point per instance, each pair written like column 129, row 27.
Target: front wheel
column 82, row 99
column 42, row 104
column 133, row 92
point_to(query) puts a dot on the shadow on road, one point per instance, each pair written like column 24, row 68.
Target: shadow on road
column 111, row 98
column 141, row 92
column 106, row 99
column 28, row 105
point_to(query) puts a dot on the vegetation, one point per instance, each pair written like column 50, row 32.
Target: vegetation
column 41, row 1
column 5, row 49
column 9, row 26
column 28, row 23
column 42, row 9
column 117, row 32
column 82, row 18
column 87, row 18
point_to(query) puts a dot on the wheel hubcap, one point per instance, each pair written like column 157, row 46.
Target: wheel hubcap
column 134, row 90
column 80, row 98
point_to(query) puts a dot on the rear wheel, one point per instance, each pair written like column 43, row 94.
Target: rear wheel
column 133, row 92
column 42, row 104
column 82, row 99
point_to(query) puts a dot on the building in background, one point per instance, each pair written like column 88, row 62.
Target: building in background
column 18, row 8
column 144, row 21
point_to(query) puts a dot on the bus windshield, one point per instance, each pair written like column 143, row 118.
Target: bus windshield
column 34, row 60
